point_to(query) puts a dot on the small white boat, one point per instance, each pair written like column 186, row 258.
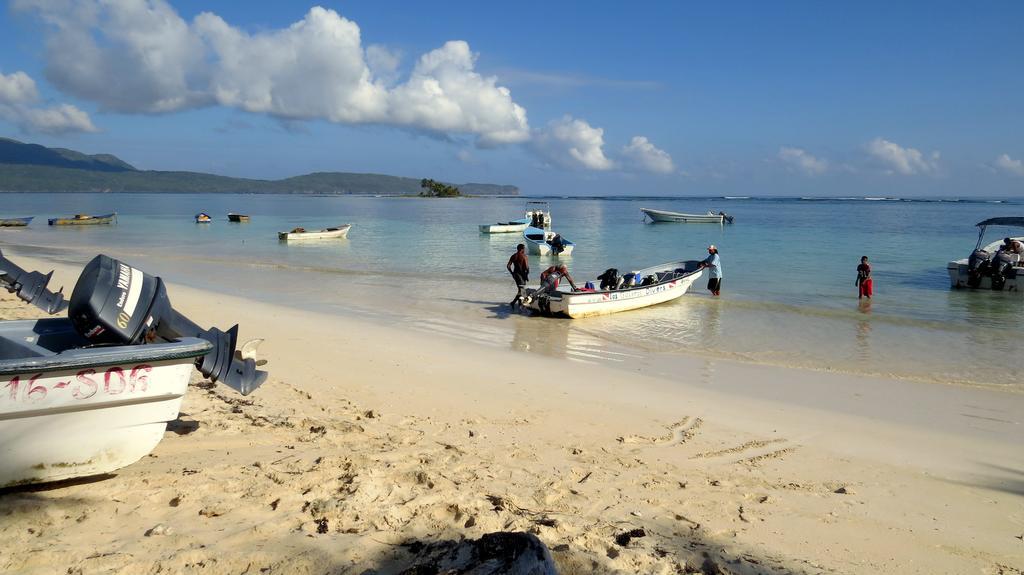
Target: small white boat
column 538, row 237
column 325, row 234
column 541, row 242
column 988, row 267
column 660, row 216
column 657, row 284
column 505, row 227
column 68, row 411
column 93, row 392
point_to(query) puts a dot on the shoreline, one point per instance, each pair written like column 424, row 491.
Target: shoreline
column 753, row 468
column 372, row 300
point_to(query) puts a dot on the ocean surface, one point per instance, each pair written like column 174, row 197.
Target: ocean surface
column 788, row 296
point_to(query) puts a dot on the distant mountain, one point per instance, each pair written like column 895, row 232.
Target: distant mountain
column 15, row 152
column 35, row 168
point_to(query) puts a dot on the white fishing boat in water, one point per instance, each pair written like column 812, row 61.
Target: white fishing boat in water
column 662, row 216
column 505, row 227
column 339, row 232
column 92, row 392
column 540, row 240
column 994, row 265
column 634, row 290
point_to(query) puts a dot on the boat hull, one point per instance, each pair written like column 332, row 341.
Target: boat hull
column 340, row 232
column 91, row 221
column 661, row 216
column 504, row 228
column 238, row 218
column 68, row 412
column 542, row 247
column 578, row 305
column 15, row 222
column 959, row 276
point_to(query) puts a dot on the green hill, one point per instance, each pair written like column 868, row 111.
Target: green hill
column 35, row 168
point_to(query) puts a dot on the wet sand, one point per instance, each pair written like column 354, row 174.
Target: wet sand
column 369, row 441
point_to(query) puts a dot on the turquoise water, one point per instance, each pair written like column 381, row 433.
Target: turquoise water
column 788, row 293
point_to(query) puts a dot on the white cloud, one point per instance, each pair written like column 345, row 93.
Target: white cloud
column 18, row 88
column 1009, row 165
column 140, row 56
column 906, row 161
column 572, row 143
column 19, row 100
column 803, row 161
column 445, row 94
column 644, row 156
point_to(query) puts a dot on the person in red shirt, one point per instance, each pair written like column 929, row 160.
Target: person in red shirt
column 864, row 283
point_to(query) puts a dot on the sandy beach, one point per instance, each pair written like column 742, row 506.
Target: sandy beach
column 369, row 442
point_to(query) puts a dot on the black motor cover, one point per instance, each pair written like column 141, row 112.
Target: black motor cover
column 114, row 303
column 111, row 301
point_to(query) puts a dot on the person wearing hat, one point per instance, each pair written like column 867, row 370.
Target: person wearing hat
column 714, row 263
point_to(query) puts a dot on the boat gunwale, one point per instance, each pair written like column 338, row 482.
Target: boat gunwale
column 185, row 348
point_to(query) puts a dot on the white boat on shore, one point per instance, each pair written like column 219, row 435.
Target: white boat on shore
column 663, row 216
column 988, row 268
column 68, row 411
column 657, row 284
column 92, row 392
column 339, row 232
column 505, row 227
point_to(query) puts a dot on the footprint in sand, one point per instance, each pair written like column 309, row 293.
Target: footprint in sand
column 678, row 433
column 751, row 452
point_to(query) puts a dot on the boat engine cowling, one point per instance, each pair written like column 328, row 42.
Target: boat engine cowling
column 114, row 303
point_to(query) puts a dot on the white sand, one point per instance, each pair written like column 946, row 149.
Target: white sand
column 380, row 437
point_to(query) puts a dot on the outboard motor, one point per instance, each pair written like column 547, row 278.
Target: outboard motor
column 114, row 303
column 31, row 287
column 1001, row 266
column 978, row 266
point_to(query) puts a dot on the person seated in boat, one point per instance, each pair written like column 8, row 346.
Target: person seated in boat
column 557, row 245
column 550, row 277
column 1011, row 246
column 610, row 279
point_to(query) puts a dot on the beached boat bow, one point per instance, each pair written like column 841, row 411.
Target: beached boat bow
column 93, row 392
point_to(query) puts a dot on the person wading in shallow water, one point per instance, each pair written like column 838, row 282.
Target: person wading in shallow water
column 519, row 266
column 715, row 264
column 864, row 282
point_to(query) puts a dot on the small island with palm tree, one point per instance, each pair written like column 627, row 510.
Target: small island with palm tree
column 433, row 189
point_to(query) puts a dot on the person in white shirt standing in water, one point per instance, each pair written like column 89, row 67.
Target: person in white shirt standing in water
column 715, row 263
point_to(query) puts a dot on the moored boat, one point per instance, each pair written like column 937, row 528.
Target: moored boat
column 541, row 242
column 324, row 234
column 83, row 220
column 538, row 237
column 505, row 227
column 238, row 218
column 15, row 222
column 203, row 218
column 993, row 265
column 662, row 216
column 656, row 284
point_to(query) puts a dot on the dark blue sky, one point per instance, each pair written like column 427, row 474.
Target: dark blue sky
column 792, row 98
